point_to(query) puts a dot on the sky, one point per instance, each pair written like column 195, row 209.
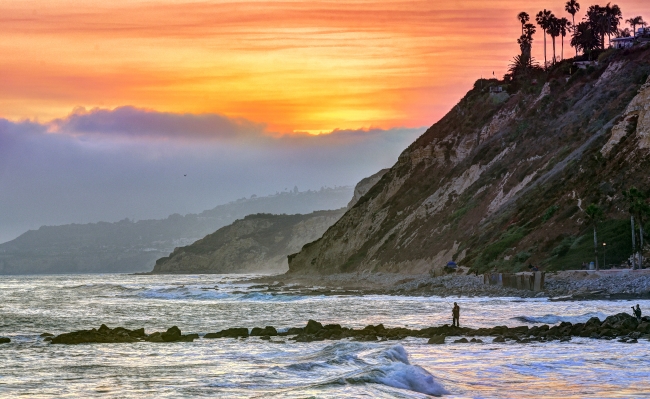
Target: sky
column 105, row 106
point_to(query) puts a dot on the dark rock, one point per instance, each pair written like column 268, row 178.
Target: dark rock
column 4, row 340
column 102, row 335
column 268, row 330
column 437, row 340
column 46, row 335
column 461, row 341
column 229, row 333
column 172, row 334
column 333, row 327
column 476, row 340
column 369, row 337
column 295, row 331
column 313, row 327
column 265, row 337
column 139, row 333
column 566, row 338
column 499, row 338
column 154, row 337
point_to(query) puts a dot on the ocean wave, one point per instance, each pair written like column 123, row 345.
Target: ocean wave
column 200, row 293
column 555, row 319
column 265, row 297
column 397, row 372
column 368, row 363
column 182, row 293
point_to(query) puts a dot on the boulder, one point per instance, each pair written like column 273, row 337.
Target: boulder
column 172, row 334
column 4, row 340
column 437, row 340
column 499, row 339
column 268, row 330
column 313, row 327
column 461, row 341
column 102, row 335
column 229, row 333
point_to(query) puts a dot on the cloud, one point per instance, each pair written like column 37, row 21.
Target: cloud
column 129, row 121
column 127, row 162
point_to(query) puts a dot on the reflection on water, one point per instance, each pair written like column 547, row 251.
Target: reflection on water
column 252, row 367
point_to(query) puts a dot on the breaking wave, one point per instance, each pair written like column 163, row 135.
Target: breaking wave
column 352, row 363
column 555, row 319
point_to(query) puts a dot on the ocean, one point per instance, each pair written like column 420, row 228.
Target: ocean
column 281, row 368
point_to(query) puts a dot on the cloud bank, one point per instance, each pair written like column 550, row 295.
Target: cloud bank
column 104, row 164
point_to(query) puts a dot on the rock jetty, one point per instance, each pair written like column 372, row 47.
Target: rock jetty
column 106, row 335
column 622, row 326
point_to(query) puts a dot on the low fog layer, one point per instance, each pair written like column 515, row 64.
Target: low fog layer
column 127, row 162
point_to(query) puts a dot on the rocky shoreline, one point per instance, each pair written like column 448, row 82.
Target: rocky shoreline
column 621, row 326
column 568, row 285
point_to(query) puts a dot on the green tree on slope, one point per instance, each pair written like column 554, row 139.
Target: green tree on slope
column 594, row 215
column 639, row 209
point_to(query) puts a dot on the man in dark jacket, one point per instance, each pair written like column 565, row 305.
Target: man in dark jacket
column 456, row 314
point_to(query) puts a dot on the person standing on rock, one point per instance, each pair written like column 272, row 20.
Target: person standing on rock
column 637, row 312
column 456, row 315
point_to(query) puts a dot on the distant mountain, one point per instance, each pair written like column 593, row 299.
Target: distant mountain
column 128, row 246
column 257, row 243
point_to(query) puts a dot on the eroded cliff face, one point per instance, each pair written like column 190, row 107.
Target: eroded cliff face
column 499, row 180
column 257, row 243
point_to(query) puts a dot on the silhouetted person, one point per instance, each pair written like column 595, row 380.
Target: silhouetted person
column 456, row 314
column 637, row 312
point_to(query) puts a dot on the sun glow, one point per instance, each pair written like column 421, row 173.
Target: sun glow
column 296, row 66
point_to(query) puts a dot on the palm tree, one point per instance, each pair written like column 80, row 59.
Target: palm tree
column 594, row 215
column 586, row 38
column 624, row 33
column 639, row 209
column 554, row 31
column 542, row 19
column 572, row 7
column 633, row 22
column 564, row 26
column 522, row 64
column 614, row 16
column 523, row 17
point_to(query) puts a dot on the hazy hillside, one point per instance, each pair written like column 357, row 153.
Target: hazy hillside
column 503, row 179
column 257, row 243
column 128, row 246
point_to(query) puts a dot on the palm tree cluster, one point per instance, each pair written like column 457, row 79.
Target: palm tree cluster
column 554, row 27
column 633, row 22
column 524, row 61
column 587, row 35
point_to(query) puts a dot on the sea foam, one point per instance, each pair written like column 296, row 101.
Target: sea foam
column 396, row 371
column 554, row 319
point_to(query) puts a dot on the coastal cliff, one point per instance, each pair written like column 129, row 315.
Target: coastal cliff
column 257, row 243
column 503, row 180
column 254, row 244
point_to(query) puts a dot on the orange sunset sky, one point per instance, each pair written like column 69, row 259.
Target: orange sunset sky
column 293, row 65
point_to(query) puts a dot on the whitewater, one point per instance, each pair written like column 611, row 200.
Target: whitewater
column 281, row 368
